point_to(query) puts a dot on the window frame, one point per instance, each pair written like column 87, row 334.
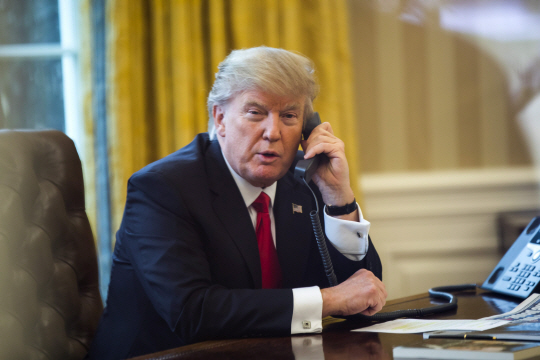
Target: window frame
column 68, row 51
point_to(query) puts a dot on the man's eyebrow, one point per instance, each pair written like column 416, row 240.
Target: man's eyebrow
column 254, row 103
column 292, row 106
column 287, row 107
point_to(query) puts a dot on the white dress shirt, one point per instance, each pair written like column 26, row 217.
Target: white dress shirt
column 349, row 237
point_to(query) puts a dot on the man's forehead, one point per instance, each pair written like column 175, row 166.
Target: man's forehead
column 268, row 100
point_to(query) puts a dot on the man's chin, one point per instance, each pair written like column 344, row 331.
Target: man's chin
column 265, row 179
column 261, row 175
column 262, row 183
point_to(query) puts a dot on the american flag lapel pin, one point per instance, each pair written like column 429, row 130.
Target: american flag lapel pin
column 296, row 208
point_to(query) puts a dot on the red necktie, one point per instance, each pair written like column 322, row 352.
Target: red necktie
column 271, row 272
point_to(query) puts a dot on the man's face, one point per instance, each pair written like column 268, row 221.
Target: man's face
column 259, row 134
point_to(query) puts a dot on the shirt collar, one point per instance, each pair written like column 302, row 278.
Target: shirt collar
column 249, row 192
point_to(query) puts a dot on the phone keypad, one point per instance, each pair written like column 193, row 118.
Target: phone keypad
column 519, row 275
column 520, row 279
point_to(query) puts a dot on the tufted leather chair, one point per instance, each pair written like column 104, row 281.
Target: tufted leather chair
column 49, row 295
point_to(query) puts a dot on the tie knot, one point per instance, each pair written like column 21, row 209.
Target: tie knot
column 261, row 203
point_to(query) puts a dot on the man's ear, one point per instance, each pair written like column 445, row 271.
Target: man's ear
column 218, row 112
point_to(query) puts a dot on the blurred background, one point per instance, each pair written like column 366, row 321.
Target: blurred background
column 438, row 102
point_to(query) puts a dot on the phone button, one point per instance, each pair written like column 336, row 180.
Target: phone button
column 507, row 278
column 536, row 256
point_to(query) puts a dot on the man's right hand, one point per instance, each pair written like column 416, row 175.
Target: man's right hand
column 362, row 293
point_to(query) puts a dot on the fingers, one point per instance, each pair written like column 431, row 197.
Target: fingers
column 362, row 293
column 332, row 148
column 373, row 292
column 376, row 299
column 322, row 140
column 370, row 311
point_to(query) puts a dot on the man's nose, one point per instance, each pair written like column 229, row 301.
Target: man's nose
column 272, row 130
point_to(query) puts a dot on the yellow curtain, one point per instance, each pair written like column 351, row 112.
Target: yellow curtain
column 163, row 54
column 87, row 156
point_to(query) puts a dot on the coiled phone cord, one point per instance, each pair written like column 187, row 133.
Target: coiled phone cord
column 441, row 292
column 321, row 241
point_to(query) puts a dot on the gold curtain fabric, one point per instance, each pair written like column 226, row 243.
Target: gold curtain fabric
column 87, row 156
column 163, row 54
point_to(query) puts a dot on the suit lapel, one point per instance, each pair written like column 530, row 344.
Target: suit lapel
column 231, row 210
column 293, row 241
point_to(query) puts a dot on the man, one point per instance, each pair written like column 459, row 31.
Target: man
column 191, row 262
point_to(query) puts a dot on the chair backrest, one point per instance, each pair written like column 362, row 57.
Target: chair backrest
column 49, row 293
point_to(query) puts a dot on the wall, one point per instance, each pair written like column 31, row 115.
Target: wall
column 428, row 98
column 440, row 228
column 441, row 150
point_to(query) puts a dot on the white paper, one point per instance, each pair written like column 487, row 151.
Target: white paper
column 527, row 311
column 411, row 326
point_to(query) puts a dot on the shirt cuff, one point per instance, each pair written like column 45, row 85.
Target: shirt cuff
column 307, row 310
column 349, row 237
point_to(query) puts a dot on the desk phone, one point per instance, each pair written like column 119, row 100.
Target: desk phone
column 518, row 272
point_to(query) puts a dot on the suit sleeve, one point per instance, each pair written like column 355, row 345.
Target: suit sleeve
column 344, row 267
column 352, row 240
column 164, row 244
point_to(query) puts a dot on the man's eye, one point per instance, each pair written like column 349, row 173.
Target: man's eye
column 290, row 116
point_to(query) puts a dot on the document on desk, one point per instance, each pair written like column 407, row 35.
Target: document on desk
column 411, row 326
column 527, row 311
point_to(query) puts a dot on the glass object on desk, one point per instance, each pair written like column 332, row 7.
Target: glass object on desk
column 31, row 94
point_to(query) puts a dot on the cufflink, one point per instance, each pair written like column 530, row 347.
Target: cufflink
column 306, row 324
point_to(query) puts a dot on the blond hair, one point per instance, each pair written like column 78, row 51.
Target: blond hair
column 276, row 71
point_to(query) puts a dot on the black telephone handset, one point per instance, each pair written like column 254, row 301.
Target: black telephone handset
column 306, row 168
column 303, row 172
column 518, row 272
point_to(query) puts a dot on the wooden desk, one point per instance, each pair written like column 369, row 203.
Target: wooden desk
column 336, row 340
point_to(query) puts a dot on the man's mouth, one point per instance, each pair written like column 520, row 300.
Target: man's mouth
column 268, row 155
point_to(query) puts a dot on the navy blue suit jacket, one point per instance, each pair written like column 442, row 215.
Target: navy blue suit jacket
column 186, row 262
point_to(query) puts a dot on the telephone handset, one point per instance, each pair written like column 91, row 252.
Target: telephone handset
column 305, row 168
column 518, row 272
column 303, row 172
